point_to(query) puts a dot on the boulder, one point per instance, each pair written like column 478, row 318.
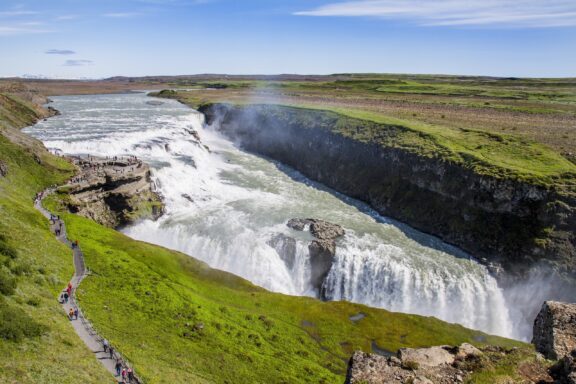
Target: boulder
column 427, row 357
column 466, row 350
column 374, row 369
column 320, row 229
column 554, row 333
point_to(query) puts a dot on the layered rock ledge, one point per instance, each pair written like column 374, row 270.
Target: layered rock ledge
column 113, row 191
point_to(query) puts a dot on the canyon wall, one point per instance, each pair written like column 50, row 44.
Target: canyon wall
column 500, row 220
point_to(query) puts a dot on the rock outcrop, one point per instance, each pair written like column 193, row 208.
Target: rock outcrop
column 497, row 219
column 322, row 249
column 554, row 332
column 434, row 365
column 564, row 372
column 113, row 192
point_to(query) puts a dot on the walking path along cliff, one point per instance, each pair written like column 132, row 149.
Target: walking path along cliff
column 81, row 325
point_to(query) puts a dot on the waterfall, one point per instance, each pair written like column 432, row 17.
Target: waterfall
column 230, row 208
column 383, row 276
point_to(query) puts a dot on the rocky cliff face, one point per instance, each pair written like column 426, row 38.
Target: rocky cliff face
column 496, row 219
column 113, row 192
column 555, row 330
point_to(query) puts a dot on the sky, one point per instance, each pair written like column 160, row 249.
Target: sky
column 104, row 38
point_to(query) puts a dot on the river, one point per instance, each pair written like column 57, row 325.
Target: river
column 223, row 206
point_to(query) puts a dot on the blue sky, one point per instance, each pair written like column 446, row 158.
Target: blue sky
column 101, row 38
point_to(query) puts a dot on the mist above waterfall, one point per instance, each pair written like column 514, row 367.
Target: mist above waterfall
column 225, row 207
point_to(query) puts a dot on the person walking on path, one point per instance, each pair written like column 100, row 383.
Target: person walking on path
column 124, row 374
column 111, row 352
column 71, row 314
column 66, row 296
column 130, row 375
column 75, row 313
column 105, row 345
column 118, row 367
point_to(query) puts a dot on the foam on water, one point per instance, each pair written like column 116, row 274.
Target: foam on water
column 223, row 206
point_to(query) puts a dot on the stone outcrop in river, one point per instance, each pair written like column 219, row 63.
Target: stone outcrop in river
column 113, row 192
column 321, row 249
column 497, row 219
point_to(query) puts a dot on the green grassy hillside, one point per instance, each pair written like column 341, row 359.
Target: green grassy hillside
column 37, row 345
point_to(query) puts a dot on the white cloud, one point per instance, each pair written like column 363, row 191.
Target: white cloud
column 17, row 13
column 22, row 29
column 67, row 17
column 501, row 13
column 77, row 63
column 60, row 52
column 122, row 15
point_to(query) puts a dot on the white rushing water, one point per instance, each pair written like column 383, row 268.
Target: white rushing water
column 224, row 206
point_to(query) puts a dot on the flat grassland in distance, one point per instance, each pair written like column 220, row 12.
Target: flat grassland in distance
column 504, row 127
column 526, row 127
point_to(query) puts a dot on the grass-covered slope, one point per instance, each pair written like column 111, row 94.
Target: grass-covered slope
column 179, row 321
column 37, row 344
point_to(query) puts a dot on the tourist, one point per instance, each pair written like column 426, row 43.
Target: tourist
column 105, row 345
column 76, row 313
column 130, row 375
column 124, row 374
column 71, row 314
column 118, row 367
column 66, row 296
column 111, row 351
